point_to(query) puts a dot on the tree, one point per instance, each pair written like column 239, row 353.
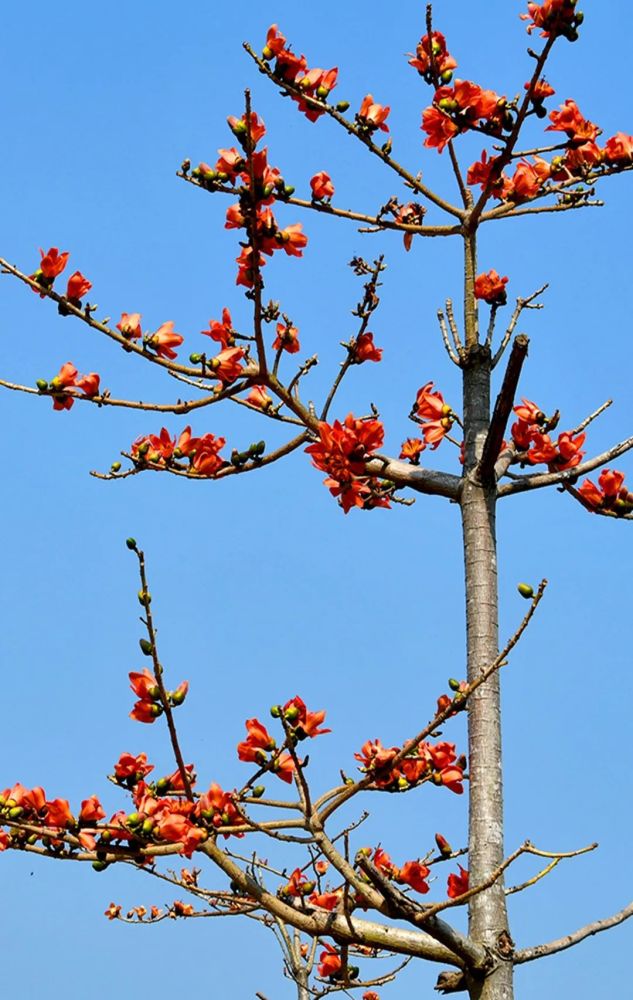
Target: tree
column 475, row 496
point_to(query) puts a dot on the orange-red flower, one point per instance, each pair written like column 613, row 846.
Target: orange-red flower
column 206, row 457
column 227, row 365
column 256, row 743
column 610, row 494
column 112, row 912
column 132, row 768
column 164, row 341
column 284, row 767
column 292, row 239
column 297, row 885
column 303, row 722
column 275, row 42
column 221, row 331
column 457, row 884
column 240, row 128
column 326, row 900
column 53, row 262
column 248, row 266
column 411, row 449
column 415, row 874
column 491, row 287
column 91, row 810
column 287, row 338
column 329, row 962
column 88, row 384
column 259, row 397
column 431, row 54
column 322, row 186
column 554, row 17
column 439, row 128
column 364, row 349
column 568, row 119
column 372, row 116
column 619, row 148
column 58, row 813
column 130, row 326
column 77, row 287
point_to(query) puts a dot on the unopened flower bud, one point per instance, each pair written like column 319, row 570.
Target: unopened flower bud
column 288, row 190
column 99, row 866
column 526, row 591
column 402, row 782
column 443, row 845
column 16, row 812
column 133, row 819
column 144, row 598
column 291, row 714
column 42, row 384
column 275, row 711
column 267, row 54
column 195, row 359
column 454, row 684
column 131, row 544
column 258, row 791
column 446, row 76
column 115, row 467
column 177, row 697
column 342, row 106
column 146, row 647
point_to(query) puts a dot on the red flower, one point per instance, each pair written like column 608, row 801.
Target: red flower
column 458, row 884
column 482, row 171
column 569, row 453
column 275, row 42
column 303, row 722
column 293, row 240
column 284, row 767
column 364, row 349
column 222, row 332
column 53, row 263
column 619, row 148
column 297, row 885
column 91, row 810
column 248, row 266
column 325, row 900
column 491, row 288
column 322, row 186
column 414, row 874
column 58, row 813
column 554, row 17
column 89, row 384
column 432, row 53
column 372, row 116
column 569, row 120
column 257, row 741
column 112, row 912
column 411, row 449
column 164, row 341
column 329, row 962
column 130, row 326
column 206, row 457
column 439, row 128
column 541, row 90
column 287, row 338
column 77, row 287
column 240, row 127
column 144, row 685
column 226, row 365
column 258, row 396
column 132, row 767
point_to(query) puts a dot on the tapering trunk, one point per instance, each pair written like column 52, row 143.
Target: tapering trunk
column 487, row 911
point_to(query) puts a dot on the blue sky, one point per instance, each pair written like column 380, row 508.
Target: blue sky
column 262, row 588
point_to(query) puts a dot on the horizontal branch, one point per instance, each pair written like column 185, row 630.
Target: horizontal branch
column 421, row 480
column 538, row 481
column 184, row 406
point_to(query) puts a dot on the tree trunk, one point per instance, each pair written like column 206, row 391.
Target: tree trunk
column 488, row 922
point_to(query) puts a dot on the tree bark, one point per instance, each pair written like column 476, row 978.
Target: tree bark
column 488, row 921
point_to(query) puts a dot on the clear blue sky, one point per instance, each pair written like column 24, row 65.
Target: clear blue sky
column 263, row 589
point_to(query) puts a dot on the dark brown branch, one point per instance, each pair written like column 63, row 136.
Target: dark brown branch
column 485, row 472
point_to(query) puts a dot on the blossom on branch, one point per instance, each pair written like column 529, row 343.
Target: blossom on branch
column 372, row 116
column 164, row 341
column 321, row 185
column 491, row 287
column 432, row 59
column 457, row 884
column 610, row 493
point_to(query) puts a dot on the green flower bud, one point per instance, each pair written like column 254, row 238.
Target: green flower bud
column 133, row 819
column 195, row 359
column 342, row 106
column 258, row 791
column 115, row 467
column 526, row 591
column 42, row 384
column 275, row 711
column 131, row 544
column 146, row 647
column 99, row 866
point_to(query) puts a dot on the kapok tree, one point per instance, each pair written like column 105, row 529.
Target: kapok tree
column 333, row 902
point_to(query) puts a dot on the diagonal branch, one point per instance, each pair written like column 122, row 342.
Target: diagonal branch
column 568, row 476
column 561, row 944
column 485, row 471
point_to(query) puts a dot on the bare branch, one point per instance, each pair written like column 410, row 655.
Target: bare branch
column 521, row 304
column 485, row 471
column 561, row 944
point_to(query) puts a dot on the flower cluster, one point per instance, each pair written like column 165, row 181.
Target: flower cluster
column 260, row 747
column 30, row 805
column 610, row 494
column 435, row 418
column 260, row 185
column 202, row 453
column 438, row 763
column 433, row 60
column 412, row 873
column 162, row 341
column 150, row 705
column 341, row 451
column 66, row 384
column 460, row 108
column 314, row 85
column 531, row 438
column 554, row 18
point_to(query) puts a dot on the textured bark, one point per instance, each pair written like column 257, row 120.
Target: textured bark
column 487, row 911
